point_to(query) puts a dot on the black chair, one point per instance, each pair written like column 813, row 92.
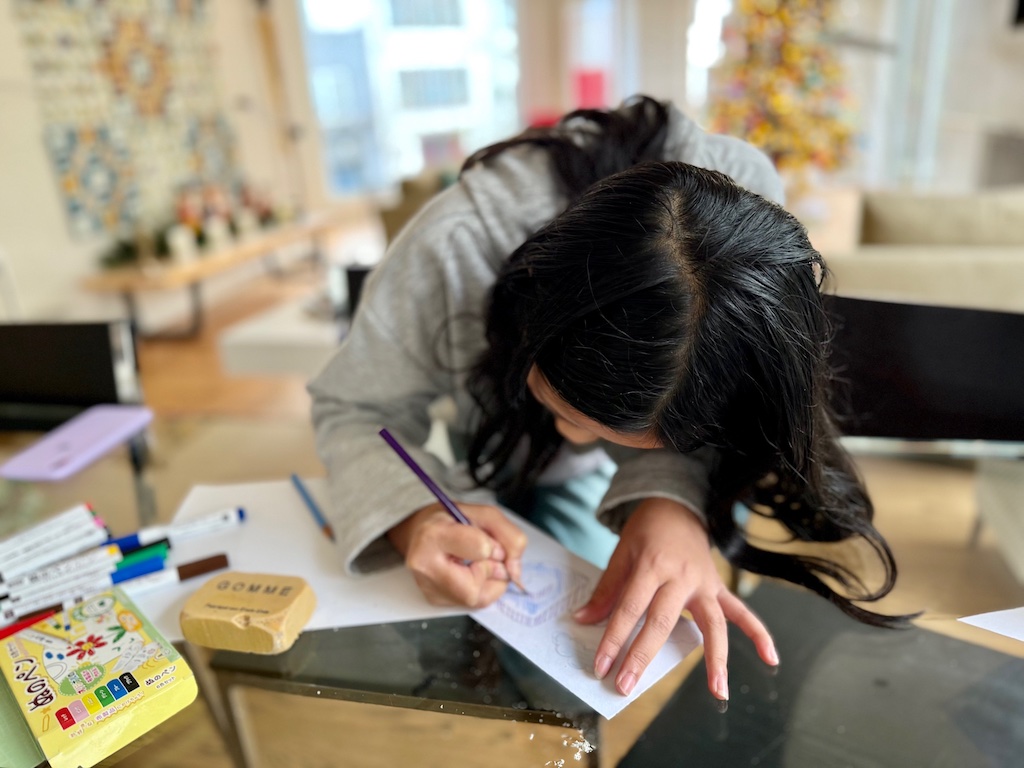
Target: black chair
column 50, row 372
column 925, row 373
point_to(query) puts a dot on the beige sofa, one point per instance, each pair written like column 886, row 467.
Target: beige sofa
column 965, row 251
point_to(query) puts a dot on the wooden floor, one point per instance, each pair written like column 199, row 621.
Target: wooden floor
column 185, row 377
column 926, row 511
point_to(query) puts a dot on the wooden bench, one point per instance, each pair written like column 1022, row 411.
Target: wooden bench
column 172, row 275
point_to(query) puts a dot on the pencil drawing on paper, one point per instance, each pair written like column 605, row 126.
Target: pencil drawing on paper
column 553, row 591
column 578, row 654
column 579, row 650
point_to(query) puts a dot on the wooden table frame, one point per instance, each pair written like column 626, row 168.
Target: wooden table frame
column 231, row 682
column 129, row 281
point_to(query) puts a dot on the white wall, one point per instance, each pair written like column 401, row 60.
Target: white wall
column 309, row 173
column 543, row 65
column 45, row 261
column 984, row 90
column 653, row 48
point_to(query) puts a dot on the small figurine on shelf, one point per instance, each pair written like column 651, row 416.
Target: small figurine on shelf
column 253, row 200
column 189, row 208
column 217, row 232
column 215, row 202
column 181, row 243
column 246, row 222
column 206, row 217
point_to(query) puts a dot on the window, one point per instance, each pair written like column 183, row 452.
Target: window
column 426, row 13
column 428, row 88
column 402, row 85
column 442, row 150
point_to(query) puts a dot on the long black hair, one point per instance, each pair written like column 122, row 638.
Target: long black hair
column 667, row 301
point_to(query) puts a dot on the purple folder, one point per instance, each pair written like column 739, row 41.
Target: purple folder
column 77, row 443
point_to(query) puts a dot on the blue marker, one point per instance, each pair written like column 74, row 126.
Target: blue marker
column 217, row 521
column 141, row 568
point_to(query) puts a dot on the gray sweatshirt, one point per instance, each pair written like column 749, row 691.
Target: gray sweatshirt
column 420, row 326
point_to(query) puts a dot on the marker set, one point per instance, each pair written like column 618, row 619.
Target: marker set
column 62, row 536
column 99, row 557
column 19, row 604
column 71, row 556
column 40, row 583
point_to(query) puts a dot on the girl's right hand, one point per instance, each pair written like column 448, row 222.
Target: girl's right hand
column 456, row 564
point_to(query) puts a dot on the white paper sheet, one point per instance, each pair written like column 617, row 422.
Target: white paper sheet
column 540, row 626
column 1009, row 623
column 279, row 535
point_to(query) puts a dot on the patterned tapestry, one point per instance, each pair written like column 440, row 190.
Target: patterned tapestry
column 130, row 111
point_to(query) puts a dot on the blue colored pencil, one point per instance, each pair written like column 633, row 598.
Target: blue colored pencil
column 321, row 521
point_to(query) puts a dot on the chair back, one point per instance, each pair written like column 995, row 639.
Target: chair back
column 919, row 372
column 50, row 372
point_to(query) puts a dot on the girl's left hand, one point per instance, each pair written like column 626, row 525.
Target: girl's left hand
column 662, row 565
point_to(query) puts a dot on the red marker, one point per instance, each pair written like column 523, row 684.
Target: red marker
column 16, row 627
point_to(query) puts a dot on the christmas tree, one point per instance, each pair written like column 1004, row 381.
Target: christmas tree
column 780, row 85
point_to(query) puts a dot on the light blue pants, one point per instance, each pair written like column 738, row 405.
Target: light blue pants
column 568, row 513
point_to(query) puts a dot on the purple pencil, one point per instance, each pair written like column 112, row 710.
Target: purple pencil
column 434, row 488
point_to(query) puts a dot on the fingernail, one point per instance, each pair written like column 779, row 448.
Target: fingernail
column 626, row 683
column 722, row 687
column 602, row 665
column 498, row 553
column 773, row 658
column 722, row 705
column 580, row 614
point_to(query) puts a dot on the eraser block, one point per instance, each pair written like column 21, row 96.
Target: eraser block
column 250, row 612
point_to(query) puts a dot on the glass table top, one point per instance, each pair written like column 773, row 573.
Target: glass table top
column 845, row 695
column 449, row 664
column 109, row 485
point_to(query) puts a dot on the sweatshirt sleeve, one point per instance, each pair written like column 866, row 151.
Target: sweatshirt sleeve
column 386, row 373
column 741, row 161
column 659, row 473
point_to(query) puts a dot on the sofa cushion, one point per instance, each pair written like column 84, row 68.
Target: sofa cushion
column 980, row 277
column 988, row 218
